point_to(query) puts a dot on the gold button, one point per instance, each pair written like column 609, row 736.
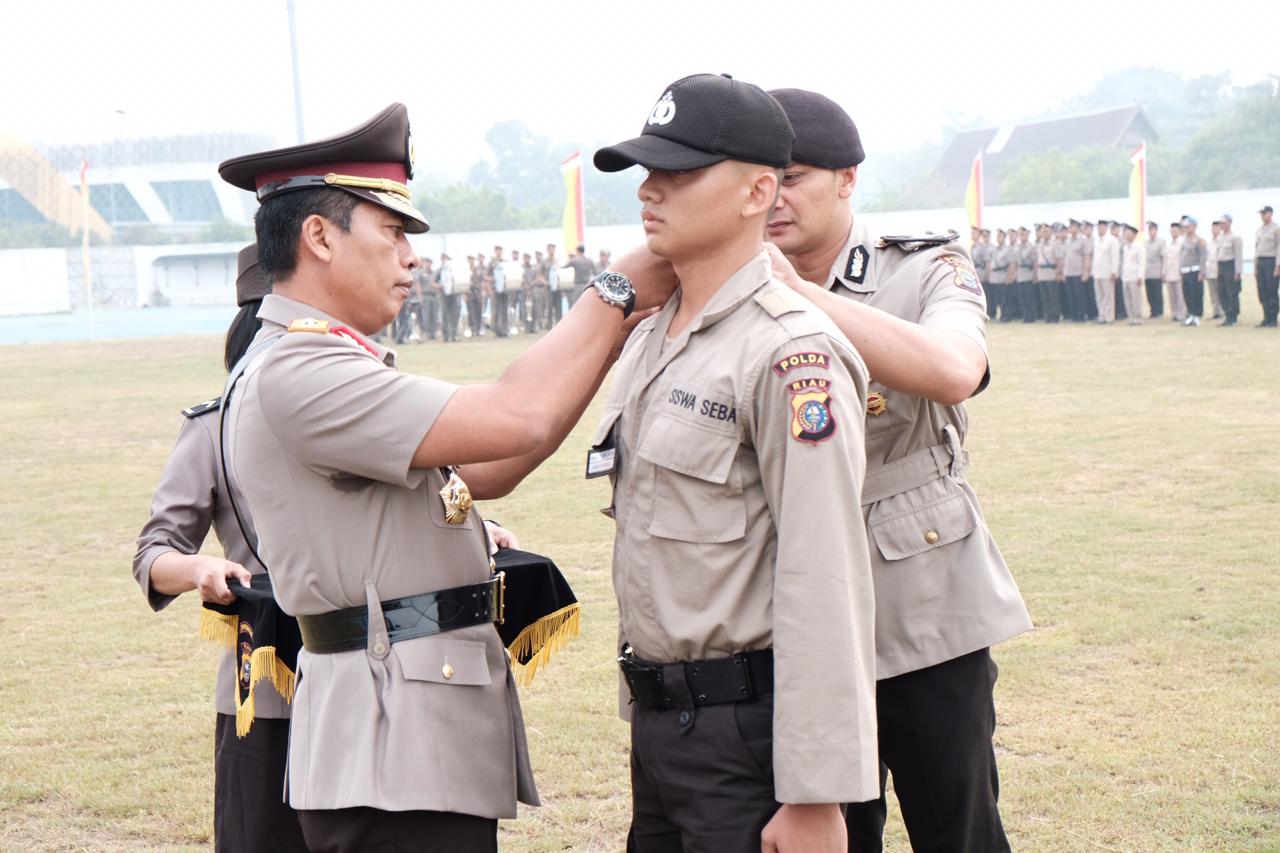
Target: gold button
column 931, row 537
column 447, row 672
column 379, row 648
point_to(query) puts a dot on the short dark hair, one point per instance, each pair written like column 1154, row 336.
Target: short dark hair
column 278, row 225
column 242, row 331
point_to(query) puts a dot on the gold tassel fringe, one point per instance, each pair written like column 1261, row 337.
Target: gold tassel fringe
column 263, row 663
column 219, row 628
column 548, row 635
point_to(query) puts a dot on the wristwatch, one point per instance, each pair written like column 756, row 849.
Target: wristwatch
column 615, row 289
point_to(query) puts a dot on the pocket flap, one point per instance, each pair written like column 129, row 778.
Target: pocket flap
column 443, row 661
column 607, row 420
column 919, row 529
column 687, row 449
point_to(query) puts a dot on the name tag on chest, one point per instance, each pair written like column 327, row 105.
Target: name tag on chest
column 602, row 461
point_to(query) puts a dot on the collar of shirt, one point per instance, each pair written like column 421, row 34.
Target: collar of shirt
column 282, row 311
column 840, row 267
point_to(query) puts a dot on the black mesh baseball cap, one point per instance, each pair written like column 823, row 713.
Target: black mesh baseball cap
column 703, row 120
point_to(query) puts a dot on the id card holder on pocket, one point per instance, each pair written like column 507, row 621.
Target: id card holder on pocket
column 602, row 459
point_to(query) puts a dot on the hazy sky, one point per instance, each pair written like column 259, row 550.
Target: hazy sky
column 88, row 71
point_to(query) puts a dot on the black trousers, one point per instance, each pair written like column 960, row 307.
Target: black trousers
column 249, row 812
column 475, row 311
column 1050, row 291
column 1029, row 299
column 936, row 726
column 1264, row 270
column 701, row 778
column 1193, row 293
column 429, row 313
column 1228, row 290
column 452, row 312
column 377, row 831
column 1155, row 297
column 1072, row 307
column 500, row 314
column 1090, row 299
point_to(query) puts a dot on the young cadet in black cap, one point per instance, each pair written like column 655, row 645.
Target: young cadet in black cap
column 406, row 720
column 733, row 439
column 913, row 307
column 248, row 814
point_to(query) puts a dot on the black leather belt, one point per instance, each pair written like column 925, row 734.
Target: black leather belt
column 407, row 618
column 744, row 677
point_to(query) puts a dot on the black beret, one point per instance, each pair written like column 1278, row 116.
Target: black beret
column 825, row 135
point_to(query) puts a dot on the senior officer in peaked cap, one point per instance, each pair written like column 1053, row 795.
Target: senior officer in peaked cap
column 913, row 307
column 744, row 598
column 407, row 729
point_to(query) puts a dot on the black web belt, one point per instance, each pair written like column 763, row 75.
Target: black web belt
column 744, row 677
column 407, row 618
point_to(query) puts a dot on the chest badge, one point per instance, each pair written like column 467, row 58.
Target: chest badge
column 456, row 498
column 856, row 269
column 877, row 404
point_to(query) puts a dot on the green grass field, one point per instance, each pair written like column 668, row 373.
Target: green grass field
column 1132, row 476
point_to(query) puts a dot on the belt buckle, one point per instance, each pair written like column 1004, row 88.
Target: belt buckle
column 498, row 591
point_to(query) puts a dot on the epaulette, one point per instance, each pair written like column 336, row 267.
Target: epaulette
column 913, row 243
column 202, row 408
column 781, row 300
column 309, row 324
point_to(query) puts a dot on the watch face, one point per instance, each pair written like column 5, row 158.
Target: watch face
column 616, row 285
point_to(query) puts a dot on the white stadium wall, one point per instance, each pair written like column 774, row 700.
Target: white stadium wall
column 33, row 281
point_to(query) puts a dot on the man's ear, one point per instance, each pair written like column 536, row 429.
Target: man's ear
column 763, row 194
column 846, row 179
column 317, row 233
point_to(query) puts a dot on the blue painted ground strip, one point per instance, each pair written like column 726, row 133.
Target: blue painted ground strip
column 113, row 323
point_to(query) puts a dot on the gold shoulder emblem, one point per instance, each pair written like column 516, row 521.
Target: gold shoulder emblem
column 309, row 324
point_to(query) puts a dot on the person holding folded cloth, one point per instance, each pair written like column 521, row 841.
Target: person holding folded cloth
column 192, row 496
column 407, row 728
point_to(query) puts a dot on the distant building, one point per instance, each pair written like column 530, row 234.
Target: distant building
column 1123, row 128
column 170, row 184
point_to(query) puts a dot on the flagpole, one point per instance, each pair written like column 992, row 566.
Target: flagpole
column 84, row 239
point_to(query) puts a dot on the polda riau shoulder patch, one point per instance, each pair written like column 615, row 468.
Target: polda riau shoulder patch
column 788, row 363
column 309, row 324
column 202, row 408
column 966, row 277
column 811, row 418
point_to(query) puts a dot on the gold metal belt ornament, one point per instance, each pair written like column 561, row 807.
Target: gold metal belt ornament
column 456, row 498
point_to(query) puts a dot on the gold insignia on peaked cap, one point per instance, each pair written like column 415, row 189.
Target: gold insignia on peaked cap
column 309, row 324
column 456, row 498
column 876, row 403
column 373, row 161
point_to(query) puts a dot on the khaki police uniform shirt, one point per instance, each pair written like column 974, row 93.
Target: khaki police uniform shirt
column 732, row 518
column 1047, row 259
column 1086, row 249
column 1230, row 247
column 1133, row 261
column 1267, row 242
column 322, row 432
column 983, row 255
column 1005, row 265
column 1026, row 271
column 1073, row 263
column 942, row 587
column 190, row 497
column 1155, row 251
column 1172, row 252
column 1194, row 254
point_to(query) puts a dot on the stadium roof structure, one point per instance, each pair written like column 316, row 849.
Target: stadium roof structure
column 1125, row 128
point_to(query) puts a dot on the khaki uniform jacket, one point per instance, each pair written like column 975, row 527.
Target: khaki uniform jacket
column 1211, row 257
column 1049, row 259
column 1005, row 264
column 323, row 429
column 190, row 497
column 1133, row 264
column 942, row 587
column 1154, row 255
column 1172, row 252
column 1267, row 242
column 733, row 528
column 983, row 256
column 1106, row 257
column 1073, row 264
column 1026, row 270
column 1193, row 256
